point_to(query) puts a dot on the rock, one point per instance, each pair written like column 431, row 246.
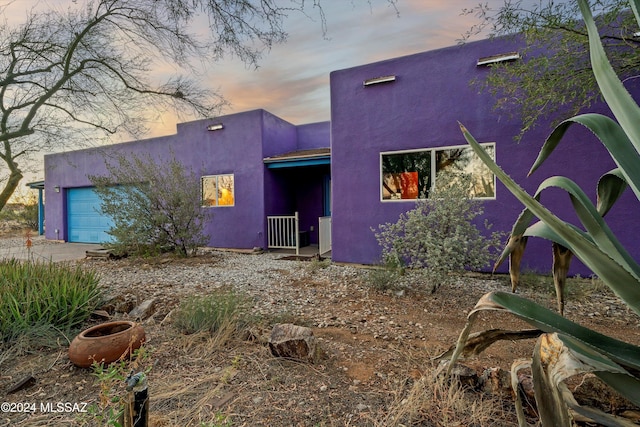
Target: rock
column 292, row 341
column 144, row 310
column 101, row 313
column 122, row 303
column 468, row 377
column 495, row 381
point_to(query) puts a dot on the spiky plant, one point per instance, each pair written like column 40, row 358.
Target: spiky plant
column 565, row 348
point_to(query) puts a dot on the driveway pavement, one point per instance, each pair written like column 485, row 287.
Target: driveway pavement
column 44, row 250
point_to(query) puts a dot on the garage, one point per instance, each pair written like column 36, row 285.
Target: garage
column 84, row 221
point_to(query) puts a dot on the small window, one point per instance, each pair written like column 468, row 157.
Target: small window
column 409, row 175
column 218, row 190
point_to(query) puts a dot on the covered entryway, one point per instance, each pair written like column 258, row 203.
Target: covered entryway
column 85, row 223
column 300, row 195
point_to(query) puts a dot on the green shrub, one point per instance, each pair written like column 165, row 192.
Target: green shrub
column 222, row 312
column 33, row 295
column 439, row 235
column 386, row 276
column 156, row 207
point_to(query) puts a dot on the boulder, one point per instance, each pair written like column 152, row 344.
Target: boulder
column 144, row 310
column 496, row 381
column 292, row 341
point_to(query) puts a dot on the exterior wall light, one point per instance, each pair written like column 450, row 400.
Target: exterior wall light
column 56, row 188
column 378, row 80
column 216, row 126
column 511, row 56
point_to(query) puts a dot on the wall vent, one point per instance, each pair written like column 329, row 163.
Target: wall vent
column 378, row 80
column 503, row 57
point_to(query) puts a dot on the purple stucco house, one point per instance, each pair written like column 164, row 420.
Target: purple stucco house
column 393, row 125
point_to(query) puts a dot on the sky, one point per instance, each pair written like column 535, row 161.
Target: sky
column 292, row 80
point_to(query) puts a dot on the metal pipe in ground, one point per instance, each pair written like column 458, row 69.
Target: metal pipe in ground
column 136, row 409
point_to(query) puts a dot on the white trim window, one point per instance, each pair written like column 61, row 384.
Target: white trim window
column 410, row 174
column 218, row 190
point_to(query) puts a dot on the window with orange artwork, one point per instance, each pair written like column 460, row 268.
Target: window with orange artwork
column 410, row 174
column 218, row 190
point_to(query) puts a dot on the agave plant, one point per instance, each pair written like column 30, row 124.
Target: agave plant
column 564, row 348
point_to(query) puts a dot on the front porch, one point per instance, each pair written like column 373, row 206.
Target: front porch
column 306, row 252
column 298, row 204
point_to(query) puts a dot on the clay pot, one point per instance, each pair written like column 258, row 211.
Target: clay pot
column 106, row 343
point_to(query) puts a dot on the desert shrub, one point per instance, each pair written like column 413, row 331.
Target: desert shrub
column 37, row 295
column 23, row 214
column 28, row 216
column 386, row 276
column 155, row 206
column 439, row 236
column 223, row 312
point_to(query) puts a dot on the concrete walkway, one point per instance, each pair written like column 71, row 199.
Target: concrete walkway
column 45, row 250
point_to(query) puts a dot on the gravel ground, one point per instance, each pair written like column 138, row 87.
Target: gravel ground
column 376, row 343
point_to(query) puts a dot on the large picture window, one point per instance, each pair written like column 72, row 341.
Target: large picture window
column 218, row 190
column 407, row 175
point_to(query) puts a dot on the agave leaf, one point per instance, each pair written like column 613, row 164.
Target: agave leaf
column 611, row 185
column 615, row 94
column 556, row 358
column 620, row 280
column 551, row 407
column 610, row 188
column 590, row 414
column 599, row 231
column 624, row 354
column 626, row 385
column 542, row 230
column 611, row 359
column 612, row 137
column 478, row 342
column 635, row 6
column 516, row 366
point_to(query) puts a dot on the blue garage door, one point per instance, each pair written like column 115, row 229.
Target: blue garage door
column 84, row 221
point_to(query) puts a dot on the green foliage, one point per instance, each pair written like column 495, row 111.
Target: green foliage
column 222, row 312
column 111, row 379
column 155, row 206
column 439, row 236
column 37, row 295
column 566, row 348
column 24, row 211
column 559, row 83
column 386, row 276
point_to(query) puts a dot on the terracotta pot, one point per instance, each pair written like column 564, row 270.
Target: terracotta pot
column 106, row 343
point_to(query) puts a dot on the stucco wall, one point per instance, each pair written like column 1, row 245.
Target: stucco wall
column 235, row 149
column 420, row 109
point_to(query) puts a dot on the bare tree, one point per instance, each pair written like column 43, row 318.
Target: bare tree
column 84, row 73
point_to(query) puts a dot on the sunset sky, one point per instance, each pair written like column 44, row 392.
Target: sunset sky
column 292, row 80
